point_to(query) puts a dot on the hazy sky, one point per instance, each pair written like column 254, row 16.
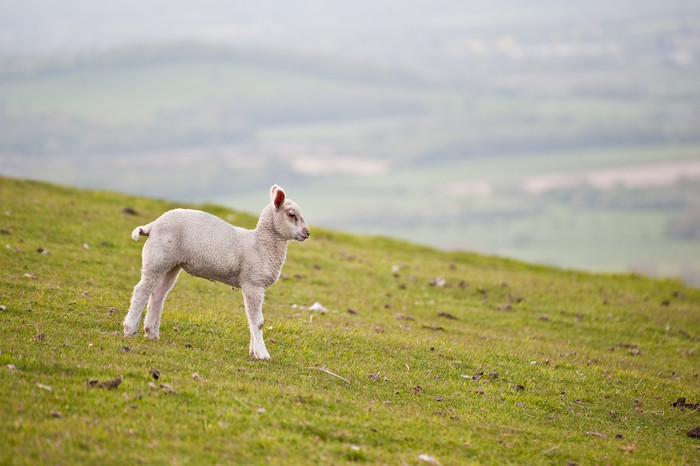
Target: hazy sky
column 360, row 27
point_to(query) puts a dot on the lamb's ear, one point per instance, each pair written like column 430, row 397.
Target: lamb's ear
column 277, row 196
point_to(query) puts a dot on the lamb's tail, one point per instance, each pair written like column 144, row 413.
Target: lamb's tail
column 141, row 231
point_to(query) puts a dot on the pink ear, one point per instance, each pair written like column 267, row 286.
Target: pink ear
column 277, row 196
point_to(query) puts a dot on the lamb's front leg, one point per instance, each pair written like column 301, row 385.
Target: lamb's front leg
column 253, row 298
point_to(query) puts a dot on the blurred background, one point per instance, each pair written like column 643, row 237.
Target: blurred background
column 558, row 132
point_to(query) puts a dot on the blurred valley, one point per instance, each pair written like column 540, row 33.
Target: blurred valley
column 549, row 131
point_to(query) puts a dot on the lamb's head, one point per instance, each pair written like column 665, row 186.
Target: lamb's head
column 287, row 219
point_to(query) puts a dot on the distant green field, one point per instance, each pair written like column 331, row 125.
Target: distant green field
column 167, row 93
column 126, row 93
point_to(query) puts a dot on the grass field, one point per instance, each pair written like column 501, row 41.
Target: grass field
column 504, row 363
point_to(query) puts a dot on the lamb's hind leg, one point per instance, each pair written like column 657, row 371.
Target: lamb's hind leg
column 253, row 298
column 155, row 304
column 143, row 289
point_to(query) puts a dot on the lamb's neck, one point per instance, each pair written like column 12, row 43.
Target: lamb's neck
column 269, row 245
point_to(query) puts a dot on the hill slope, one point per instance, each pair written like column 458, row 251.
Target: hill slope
column 505, row 362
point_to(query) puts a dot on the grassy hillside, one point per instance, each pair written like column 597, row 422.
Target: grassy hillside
column 504, row 363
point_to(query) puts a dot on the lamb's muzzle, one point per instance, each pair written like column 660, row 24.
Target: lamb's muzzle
column 248, row 259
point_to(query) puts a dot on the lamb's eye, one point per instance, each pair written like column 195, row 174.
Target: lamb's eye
column 292, row 215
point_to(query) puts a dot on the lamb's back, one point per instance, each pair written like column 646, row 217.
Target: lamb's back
column 204, row 245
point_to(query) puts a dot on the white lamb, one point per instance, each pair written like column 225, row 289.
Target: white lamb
column 208, row 247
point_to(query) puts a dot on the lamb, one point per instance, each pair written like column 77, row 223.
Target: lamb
column 205, row 246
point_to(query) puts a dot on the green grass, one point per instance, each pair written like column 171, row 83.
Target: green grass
column 587, row 364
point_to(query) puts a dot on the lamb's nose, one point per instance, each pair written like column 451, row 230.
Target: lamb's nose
column 306, row 232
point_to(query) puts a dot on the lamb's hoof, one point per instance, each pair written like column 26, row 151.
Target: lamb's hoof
column 260, row 354
column 151, row 335
column 130, row 333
